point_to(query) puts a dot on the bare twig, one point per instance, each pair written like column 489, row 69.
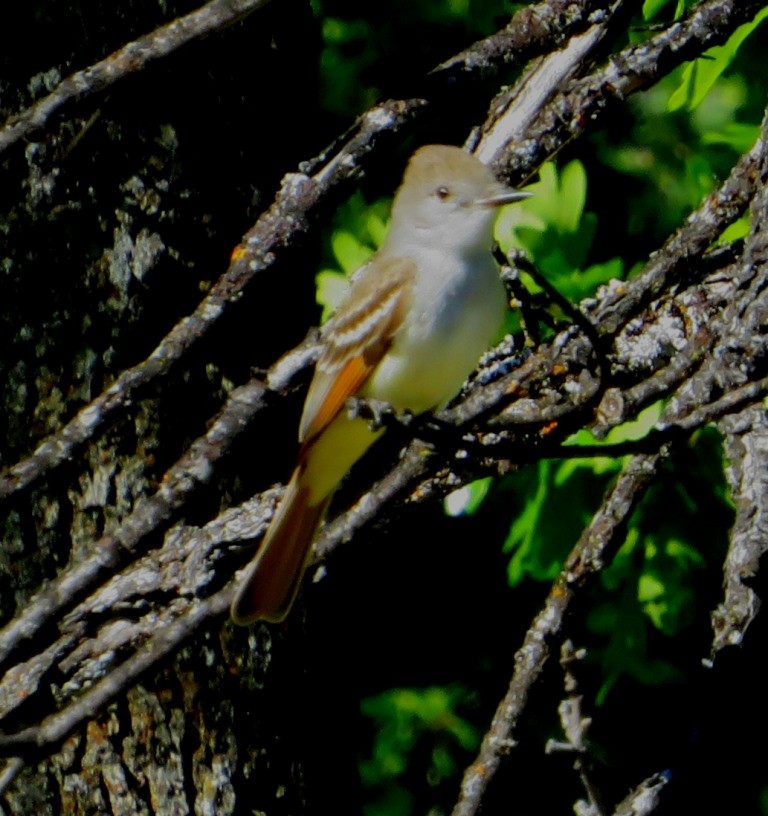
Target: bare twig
column 128, row 60
column 645, row 798
column 594, row 549
column 746, row 450
column 528, row 33
column 575, row 727
column 399, row 482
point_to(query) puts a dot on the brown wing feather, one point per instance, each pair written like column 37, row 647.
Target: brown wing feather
column 356, row 338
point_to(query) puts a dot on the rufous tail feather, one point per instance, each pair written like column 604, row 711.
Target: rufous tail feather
column 272, row 580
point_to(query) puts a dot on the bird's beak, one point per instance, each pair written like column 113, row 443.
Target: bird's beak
column 505, row 195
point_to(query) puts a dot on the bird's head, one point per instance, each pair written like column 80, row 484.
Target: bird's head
column 448, row 198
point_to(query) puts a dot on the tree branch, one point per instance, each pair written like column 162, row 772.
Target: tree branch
column 52, row 730
column 192, row 469
column 275, row 231
column 527, row 35
column 746, row 450
column 583, row 102
column 127, row 60
column 645, row 798
column 514, row 393
column 594, row 549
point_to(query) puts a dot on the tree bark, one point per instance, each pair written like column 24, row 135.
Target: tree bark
column 151, row 379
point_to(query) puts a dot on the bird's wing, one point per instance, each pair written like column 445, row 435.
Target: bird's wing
column 356, row 338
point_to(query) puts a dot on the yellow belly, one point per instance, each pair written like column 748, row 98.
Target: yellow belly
column 334, row 452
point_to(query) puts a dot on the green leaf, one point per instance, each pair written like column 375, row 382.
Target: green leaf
column 552, row 193
column 359, row 229
column 522, row 537
column 626, row 432
column 653, row 585
column 411, row 724
column 395, row 799
column 665, row 589
column 349, row 251
column 651, row 8
column 700, row 75
column 376, row 224
column 558, row 501
column 598, row 274
column 573, row 196
column 331, row 286
column 557, row 233
column 736, row 135
column 636, row 428
column 467, row 500
column 736, row 231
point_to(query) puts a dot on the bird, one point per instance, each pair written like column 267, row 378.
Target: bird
column 412, row 326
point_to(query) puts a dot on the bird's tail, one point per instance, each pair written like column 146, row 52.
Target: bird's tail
column 269, row 586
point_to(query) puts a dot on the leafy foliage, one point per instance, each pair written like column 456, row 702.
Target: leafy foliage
column 419, row 734
column 358, row 231
column 366, row 48
column 674, row 143
column 700, row 76
column 652, row 582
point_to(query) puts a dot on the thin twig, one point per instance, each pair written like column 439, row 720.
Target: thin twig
column 594, row 549
column 575, row 727
column 527, row 34
column 127, row 60
column 645, row 798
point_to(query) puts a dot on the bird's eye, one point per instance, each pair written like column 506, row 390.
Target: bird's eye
column 443, row 193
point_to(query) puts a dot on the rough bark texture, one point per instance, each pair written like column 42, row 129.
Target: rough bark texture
column 149, row 404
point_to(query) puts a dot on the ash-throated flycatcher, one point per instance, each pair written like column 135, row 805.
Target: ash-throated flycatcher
column 412, row 327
